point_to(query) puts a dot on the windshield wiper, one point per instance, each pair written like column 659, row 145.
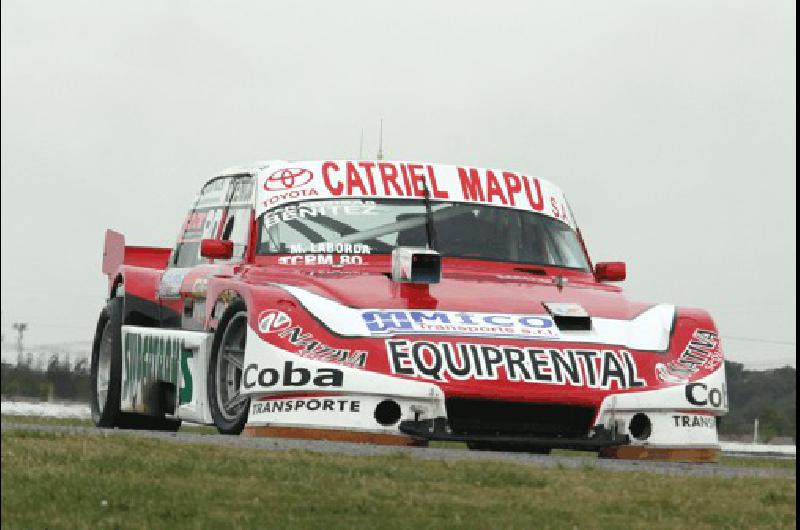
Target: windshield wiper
column 430, row 229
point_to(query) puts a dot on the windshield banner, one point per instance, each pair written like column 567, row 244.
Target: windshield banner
column 341, row 179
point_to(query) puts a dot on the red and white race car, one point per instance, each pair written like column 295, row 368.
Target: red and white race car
column 398, row 303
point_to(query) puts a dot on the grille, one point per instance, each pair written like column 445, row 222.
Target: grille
column 488, row 417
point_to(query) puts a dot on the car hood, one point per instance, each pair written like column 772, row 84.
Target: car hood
column 488, row 292
column 469, row 313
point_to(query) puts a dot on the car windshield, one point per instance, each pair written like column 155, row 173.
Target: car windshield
column 378, row 226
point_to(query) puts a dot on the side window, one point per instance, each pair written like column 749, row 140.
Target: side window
column 202, row 222
column 239, row 213
column 236, row 230
column 222, row 210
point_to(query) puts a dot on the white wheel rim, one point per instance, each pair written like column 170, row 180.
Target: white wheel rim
column 104, row 368
column 230, row 363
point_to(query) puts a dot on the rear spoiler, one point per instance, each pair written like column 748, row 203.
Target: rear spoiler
column 116, row 254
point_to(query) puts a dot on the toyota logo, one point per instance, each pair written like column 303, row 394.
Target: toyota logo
column 288, row 178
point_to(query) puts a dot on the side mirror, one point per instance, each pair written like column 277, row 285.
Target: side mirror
column 610, row 271
column 216, row 248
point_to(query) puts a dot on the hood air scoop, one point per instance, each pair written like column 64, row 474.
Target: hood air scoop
column 569, row 316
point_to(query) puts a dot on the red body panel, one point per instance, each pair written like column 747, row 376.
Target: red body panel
column 150, row 257
column 466, row 285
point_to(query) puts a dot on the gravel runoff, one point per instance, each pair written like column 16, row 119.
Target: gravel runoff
column 356, row 449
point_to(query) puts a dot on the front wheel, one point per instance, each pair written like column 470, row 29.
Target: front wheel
column 229, row 408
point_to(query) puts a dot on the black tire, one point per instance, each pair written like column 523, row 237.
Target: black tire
column 105, row 408
column 107, row 345
column 508, row 447
column 141, row 422
column 230, row 335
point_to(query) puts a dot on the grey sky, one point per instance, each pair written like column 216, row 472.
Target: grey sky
column 670, row 125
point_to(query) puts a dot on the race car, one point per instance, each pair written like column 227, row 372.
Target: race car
column 399, row 303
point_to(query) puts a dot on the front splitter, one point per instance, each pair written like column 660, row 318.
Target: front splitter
column 437, row 429
column 334, row 435
column 667, row 454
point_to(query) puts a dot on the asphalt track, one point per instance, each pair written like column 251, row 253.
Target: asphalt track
column 353, row 449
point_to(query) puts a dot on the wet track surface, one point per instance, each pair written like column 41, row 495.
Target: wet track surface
column 353, row 449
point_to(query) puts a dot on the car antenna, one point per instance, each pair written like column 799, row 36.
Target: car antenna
column 429, row 228
column 380, row 142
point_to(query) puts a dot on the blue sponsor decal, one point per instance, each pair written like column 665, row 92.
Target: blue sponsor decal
column 393, row 322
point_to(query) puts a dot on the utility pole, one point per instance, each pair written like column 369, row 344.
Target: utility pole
column 20, row 327
column 380, row 142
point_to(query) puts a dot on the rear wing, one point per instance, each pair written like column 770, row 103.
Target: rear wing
column 116, row 254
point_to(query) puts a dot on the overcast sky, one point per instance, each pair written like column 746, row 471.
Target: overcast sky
column 670, row 125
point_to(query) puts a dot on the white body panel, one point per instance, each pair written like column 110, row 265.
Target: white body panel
column 152, row 355
column 681, row 416
column 349, row 402
column 649, row 331
column 287, row 389
column 285, row 374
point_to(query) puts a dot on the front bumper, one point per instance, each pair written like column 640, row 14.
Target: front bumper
column 295, row 396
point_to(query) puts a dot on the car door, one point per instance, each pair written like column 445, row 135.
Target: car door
column 219, row 212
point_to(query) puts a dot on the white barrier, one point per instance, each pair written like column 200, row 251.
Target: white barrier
column 738, row 448
column 48, row 409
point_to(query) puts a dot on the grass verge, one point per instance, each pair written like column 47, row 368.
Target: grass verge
column 60, row 480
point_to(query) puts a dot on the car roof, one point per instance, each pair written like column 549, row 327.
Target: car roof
column 252, row 168
column 279, row 184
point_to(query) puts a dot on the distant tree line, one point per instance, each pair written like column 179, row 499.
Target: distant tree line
column 61, row 380
column 768, row 395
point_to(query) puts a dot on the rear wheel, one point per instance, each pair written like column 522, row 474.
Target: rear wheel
column 106, row 377
column 229, row 408
column 106, row 368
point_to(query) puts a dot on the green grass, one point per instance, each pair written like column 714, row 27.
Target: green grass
column 58, row 480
